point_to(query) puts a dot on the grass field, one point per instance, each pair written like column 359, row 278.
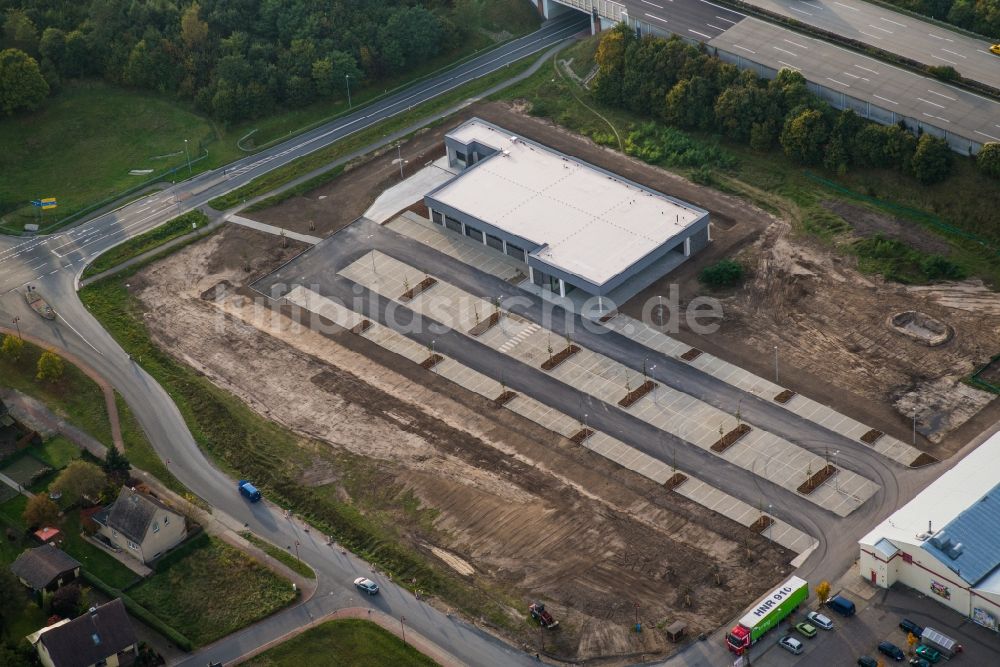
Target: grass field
column 281, row 555
column 82, row 144
column 58, row 452
column 24, row 469
column 75, row 396
column 154, row 238
column 965, row 201
column 213, row 591
column 345, row 642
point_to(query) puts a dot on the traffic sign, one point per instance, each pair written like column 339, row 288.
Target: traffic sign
column 49, row 202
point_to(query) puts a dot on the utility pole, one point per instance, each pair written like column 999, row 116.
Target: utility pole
column 188, row 154
column 297, row 551
column 347, row 77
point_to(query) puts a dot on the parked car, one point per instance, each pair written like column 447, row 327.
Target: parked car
column 806, row 629
column 366, row 585
column 929, row 654
column 841, row 605
column 819, row 620
column 919, row 662
column 995, row 49
column 249, row 491
column 791, row 644
column 865, row 661
column 909, row 627
column 891, row 650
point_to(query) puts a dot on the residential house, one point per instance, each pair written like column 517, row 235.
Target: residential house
column 141, row 525
column 102, row 637
column 45, row 568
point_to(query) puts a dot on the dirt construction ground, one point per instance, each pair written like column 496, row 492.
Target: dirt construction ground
column 504, row 503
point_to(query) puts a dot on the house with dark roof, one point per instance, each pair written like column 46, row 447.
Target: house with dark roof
column 141, row 525
column 102, row 636
column 45, row 568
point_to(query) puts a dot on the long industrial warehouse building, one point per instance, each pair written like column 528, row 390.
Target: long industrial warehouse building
column 575, row 226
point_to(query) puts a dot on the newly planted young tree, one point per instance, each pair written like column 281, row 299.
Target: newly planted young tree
column 50, row 367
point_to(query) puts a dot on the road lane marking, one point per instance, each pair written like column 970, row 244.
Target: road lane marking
column 79, row 334
column 866, row 69
column 725, row 9
column 722, row 18
column 939, row 106
column 952, row 62
column 814, row 6
column 868, row 34
column 716, row 27
column 801, row 46
column 789, row 65
column 740, row 46
column 853, row 76
column 901, row 25
column 954, row 53
column 853, row 9
column 885, row 99
column 656, row 17
column 931, row 34
column 800, row 11
column 988, row 136
column 845, row 85
column 778, row 48
column 929, row 115
column 700, row 33
column 653, row 4
column 933, row 92
column 879, row 28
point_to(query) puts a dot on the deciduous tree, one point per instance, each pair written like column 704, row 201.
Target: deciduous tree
column 50, row 367
column 12, row 348
column 40, row 511
column 932, row 160
column 804, row 136
column 988, row 159
column 22, row 86
column 80, row 479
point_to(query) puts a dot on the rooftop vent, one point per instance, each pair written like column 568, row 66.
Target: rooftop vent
column 955, row 551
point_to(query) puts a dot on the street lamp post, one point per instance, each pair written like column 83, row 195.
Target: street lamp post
column 770, row 523
column 776, row 365
column 399, row 156
column 402, row 627
column 297, row 551
column 347, row 77
column 914, row 426
column 16, row 322
column 188, row 154
column 836, row 476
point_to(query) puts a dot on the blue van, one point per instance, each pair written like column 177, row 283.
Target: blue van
column 249, row 491
column 841, row 605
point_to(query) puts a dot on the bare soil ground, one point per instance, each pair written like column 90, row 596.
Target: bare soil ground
column 504, row 503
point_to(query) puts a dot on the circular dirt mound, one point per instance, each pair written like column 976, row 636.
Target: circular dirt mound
column 920, row 327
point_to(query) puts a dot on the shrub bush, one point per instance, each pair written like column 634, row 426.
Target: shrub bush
column 727, row 273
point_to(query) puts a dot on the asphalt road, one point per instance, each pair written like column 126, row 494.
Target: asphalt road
column 897, row 33
column 318, row 269
column 696, row 19
column 52, row 264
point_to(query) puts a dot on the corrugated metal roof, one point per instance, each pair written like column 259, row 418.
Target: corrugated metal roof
column 970, row 543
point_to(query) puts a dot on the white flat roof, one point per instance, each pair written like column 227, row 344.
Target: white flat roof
column 945, row 498
column 592, row 225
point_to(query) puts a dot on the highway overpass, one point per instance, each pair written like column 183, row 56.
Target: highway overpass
column 846, row 79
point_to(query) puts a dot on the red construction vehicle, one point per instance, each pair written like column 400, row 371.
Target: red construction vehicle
column 543, row 617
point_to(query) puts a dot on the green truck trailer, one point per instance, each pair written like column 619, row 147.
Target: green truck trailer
column 767, row 613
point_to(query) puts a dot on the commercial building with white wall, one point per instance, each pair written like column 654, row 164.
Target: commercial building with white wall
column 945, row 543
column 574, row 226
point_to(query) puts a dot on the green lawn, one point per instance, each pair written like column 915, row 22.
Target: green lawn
column 212, row 591
column 75, row 396
column 154, row 238
column 58, row 452
column 80, row 146
column 93, row 558
column 348, row 642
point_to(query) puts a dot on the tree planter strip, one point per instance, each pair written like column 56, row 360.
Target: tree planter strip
column 730, row 439
column 691, row 354
column 636, row 394
column 581, row 435
column 431, row 361
column 485, row 325
column 607, row 316
column 871, row 436
column 504, row 398
column 762, row 523
column 559, row 357
column 924, row 459
column 784, row 396
column 422, row 286
column 361, row 327
column 817, row 479
column 675, row 480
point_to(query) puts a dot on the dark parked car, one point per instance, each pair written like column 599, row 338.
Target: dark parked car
column 919, row 662
column 865, row 661
column 908, row 626
column 891, row 650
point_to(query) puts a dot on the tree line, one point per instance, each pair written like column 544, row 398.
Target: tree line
column 982, row 16
column 684, row 86
column 235, row 59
